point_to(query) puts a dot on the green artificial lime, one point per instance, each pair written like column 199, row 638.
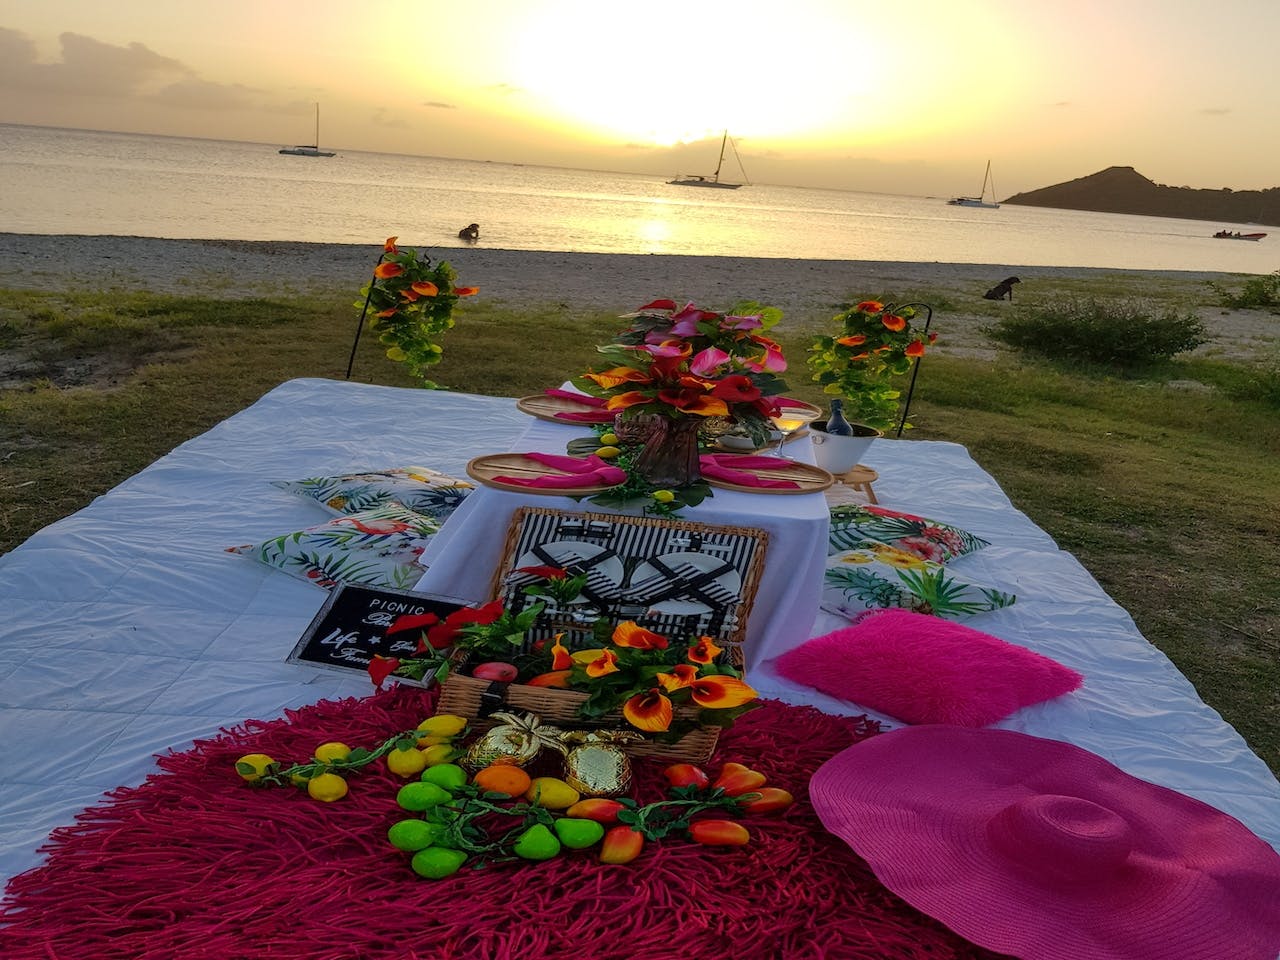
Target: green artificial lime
column 447, row 775
column 437, row 862
column 578, row 834
column 536, row 843
column 418, row 796
column 412, row 835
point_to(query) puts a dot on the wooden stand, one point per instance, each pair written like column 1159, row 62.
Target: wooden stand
column 860, row 479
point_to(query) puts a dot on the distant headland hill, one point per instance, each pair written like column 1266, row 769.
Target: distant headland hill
column 1124, row 190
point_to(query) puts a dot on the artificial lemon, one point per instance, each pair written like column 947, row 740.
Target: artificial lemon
column 609, row 439
column 252, row 766
column 327, row 787
column 434, row 863
column 331, row 751
column 607, row 453
column 447, row 775
column 406, row 763
column 440, row 753
column 663, row 496
column 413, row 835
column 552, row 793
column 443, row 725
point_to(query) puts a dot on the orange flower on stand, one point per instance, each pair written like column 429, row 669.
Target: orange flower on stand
column 644, row 675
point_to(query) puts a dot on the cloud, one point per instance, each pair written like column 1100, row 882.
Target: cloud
column 506, row 89
column 436, row 104
column 91, row 68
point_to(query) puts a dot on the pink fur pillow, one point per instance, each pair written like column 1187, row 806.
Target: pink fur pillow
column 922, row 669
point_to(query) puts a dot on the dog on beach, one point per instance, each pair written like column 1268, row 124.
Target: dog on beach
column 470, row 233
column 1002, row 289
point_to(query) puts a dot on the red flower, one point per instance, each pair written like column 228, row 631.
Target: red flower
column 856, row 340
column 736, row 388
column 915, row 348
column 380, row 668
column 390, row 245
column 444, row 634
column 893, row 322
column 385, row 271
column 704, row 651
column 543, row 571
column 870, row 306
column 465, row 291
column 424, row 288
column 560, row 658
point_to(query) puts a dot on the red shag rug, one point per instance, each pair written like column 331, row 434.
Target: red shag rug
column 195, row 863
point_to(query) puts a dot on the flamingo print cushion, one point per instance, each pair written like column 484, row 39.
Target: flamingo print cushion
column 379, row 548
column 421, row 489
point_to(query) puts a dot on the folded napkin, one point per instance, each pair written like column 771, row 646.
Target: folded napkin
column 590, row 401
column 587, row 416
column 579, row 472
column 732, row 468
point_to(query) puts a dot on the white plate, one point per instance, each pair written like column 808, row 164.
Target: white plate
column 730, row 581
column 566, row 551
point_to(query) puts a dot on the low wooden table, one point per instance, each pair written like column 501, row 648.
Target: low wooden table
column 860, row 479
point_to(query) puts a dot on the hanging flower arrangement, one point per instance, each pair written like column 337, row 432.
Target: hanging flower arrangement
column 411, row 302
column 875, row 343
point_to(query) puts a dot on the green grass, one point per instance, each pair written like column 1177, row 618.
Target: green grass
column 1166, row 496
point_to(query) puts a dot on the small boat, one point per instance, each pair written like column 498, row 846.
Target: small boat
column 309, row 150
column 1228, row 235
column 714, row 180
column 981, row 199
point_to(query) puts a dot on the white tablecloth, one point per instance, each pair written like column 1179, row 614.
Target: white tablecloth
column 127, row 631
column 462, row 558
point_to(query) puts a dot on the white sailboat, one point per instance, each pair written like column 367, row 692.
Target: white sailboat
column 312, row 149
column 981, row 199
column 714, row 180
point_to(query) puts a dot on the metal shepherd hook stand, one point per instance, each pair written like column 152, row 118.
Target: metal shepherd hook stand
column 915, row 367
column 363, row 313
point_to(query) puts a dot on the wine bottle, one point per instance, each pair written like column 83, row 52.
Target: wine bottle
column 837, row 425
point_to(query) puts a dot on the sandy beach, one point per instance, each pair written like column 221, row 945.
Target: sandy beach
column 807, row 291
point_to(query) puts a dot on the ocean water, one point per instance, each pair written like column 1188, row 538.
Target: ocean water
column 79, row 182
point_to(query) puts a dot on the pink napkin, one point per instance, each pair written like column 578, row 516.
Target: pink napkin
column 587, row 416
column 577, row 397
column 580, row 472
column 732, row 468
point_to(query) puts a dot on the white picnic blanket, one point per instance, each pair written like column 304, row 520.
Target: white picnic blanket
column 127, row 631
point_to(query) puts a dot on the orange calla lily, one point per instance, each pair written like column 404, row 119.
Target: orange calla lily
column 624, row 400
column 628, row 633
column 385, row 271
column 560, row 658
column 390, row 245
column 386, row 313
column 893, row 322
column 408, row 295
column 424, row 288
column 465, row 291
column 915, row 348
column 616, row 376
column 682, row 675
column 704, row 651
column 606, row 664
column 719, row 692
column 855, row 340
column 650, row 711
column 870, row 306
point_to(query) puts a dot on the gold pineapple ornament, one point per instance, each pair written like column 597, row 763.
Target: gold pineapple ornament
column 517, row 739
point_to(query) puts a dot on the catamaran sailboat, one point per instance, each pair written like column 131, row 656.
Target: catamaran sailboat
column 714, row 180
column 309, row 150
column 981, row 199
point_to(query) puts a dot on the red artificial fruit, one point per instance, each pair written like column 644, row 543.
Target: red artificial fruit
column 598, row 809
column 771, row 800
column 736, row 778
column 621, row 844
column 686, row 775
column 719, row 833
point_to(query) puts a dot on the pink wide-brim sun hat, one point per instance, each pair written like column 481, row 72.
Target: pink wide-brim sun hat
column 1045, row 851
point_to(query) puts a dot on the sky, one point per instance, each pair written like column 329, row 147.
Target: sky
column 910, row 97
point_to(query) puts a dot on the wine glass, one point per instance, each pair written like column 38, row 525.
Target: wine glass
column 789, row 420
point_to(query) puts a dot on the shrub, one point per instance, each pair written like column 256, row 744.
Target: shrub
column 1122, row 333
column 1259, row 292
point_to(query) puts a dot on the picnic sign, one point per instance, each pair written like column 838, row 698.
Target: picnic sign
column 350, row 629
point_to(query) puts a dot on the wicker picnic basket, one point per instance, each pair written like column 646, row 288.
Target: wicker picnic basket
column 477, row 698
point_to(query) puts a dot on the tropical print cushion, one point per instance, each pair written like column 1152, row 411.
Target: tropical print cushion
column 378, row 547
column 876, row 575
column 854, row 524
column 421, row 489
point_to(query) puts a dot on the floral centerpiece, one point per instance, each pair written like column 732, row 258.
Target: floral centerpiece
column 675, row 367
column 875, row 343
column 412, row 301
